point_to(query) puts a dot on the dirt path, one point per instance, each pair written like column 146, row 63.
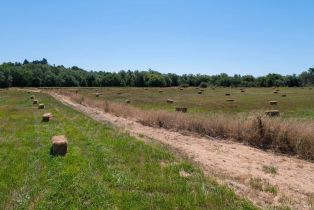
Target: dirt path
column 241, row 167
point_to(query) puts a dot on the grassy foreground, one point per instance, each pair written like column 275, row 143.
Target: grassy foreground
column 103, row 169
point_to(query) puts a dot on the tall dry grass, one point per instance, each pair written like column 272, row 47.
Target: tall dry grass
column 288, row 136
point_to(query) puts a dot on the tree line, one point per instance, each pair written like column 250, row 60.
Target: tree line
column 40, row 73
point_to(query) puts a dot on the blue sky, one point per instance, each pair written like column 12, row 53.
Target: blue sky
column 200, row 36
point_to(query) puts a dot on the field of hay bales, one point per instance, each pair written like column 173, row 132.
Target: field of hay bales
column 256, row 117
column 291, row 102
column 102, row 169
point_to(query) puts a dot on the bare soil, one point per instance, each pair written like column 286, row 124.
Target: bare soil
column 233, row 164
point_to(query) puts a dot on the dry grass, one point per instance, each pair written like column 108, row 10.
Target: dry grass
column 288, row 136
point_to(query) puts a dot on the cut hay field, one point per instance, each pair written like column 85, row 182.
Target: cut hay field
column 210, row 114
column 297, row 102
column 104, row 169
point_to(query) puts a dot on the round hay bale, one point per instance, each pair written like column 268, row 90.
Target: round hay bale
column 283, row 95
column 272, row 113
column 273, row 102
column 275, row 92
column 227, row 94
column 230, row 100
column 127, row 101
column 242, row 91
column 170, row 101
column 200, row 92
column 41, row 106
column 181, row 88
column 119, row 93
column 181, row 109
column 35, row 101
column 97, row 94
column 160, row 91
column 32, row 97
column 46, row 117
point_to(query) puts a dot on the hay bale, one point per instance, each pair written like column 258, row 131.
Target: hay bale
column 41, row 106
column 32, row 97
column 310, row 88
column 160, row 91
column 170, row 101
column 272, row 113
column 227, row 94
column 35, row 101
column 273, row 102
column 181, row 109
column 200, row 92
column 119, row 93
column 59, row 145
column 230, row 100
column 242, row 91
column 283, row 95
column 127, row 101
column 275, row 92
column 97, row 94
column 46, row 117
column 181, row 88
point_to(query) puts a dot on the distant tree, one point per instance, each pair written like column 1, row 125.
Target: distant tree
column 25, row 62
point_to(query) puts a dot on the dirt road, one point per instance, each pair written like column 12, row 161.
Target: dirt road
column 265, row 178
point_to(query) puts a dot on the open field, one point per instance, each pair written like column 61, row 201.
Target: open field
column 103, row 169
column 298, row 102
column 288, row 135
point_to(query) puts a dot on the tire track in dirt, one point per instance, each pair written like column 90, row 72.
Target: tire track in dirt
column 234, row 164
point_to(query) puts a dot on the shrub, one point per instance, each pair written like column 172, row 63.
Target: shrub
column 203, row 85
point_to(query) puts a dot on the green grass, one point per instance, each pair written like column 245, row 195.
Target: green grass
column 297, row 103
column 103, row 168
column 270, row 169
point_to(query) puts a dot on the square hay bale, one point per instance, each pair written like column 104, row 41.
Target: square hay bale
column 273, row 102
column 46, row 117
column 35, row 101
column 41, row 106
column 181, row 109
column 272, row 113
column 59, row 145
column 170, row 101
